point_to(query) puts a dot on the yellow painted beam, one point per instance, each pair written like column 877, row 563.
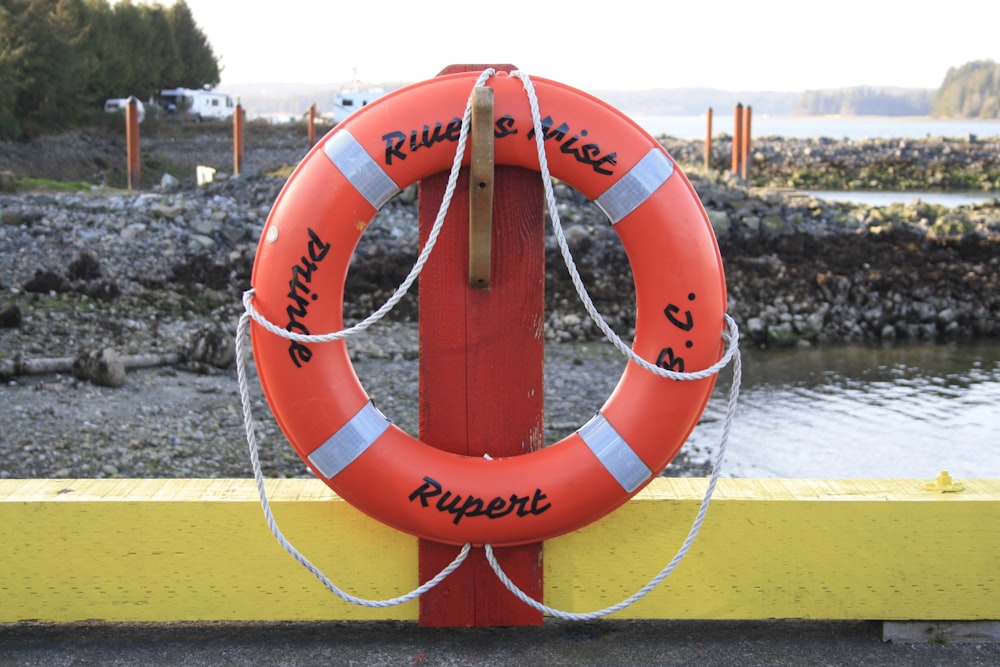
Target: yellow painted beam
column 781, row 548
column 197, row 550
column 173, row 550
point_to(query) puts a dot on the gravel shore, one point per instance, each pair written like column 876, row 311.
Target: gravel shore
column 186, row 421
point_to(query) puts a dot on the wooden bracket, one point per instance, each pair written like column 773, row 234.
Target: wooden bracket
column 481, row 188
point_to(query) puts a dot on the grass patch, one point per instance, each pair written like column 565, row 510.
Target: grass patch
column 49, row 185
column 281, row 172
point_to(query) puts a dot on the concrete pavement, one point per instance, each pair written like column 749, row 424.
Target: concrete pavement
column 606, row 642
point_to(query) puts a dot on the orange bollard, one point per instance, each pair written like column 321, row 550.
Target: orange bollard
column 737, row 137
column 312, row 125
column 132, row 143
column 745, row 145
column 238, row 118
column 708, row 143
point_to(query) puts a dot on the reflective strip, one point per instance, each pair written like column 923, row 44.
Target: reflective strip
column 636, row 186
column 614, row 453
column 350, row 441
column 361, row 170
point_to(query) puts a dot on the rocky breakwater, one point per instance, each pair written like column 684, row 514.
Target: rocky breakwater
column 823, row 163
column 146, row 272
column 153, row 272
column 161, row 273
column 801, row 270
column 804, row 271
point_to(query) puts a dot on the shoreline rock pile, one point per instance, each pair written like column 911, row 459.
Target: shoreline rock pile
column 161, row 266
column 823, row 163
column 799, row 270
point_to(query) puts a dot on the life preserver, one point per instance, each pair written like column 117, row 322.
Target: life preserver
column 301, row 267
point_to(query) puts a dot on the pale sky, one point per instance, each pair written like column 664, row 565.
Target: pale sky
column 612, row 45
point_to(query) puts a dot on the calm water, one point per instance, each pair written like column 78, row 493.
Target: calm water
column 873, row 198
column 857, row 412
column 694, row 127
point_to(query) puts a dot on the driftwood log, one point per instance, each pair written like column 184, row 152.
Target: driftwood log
column 209, row 348
column 101, row 367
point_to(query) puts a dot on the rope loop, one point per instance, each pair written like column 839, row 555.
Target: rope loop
column 243, row 329
column 734, row 392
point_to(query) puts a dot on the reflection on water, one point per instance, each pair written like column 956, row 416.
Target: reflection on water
column 905, row 411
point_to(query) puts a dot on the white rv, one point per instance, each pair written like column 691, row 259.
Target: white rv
column 197, row 104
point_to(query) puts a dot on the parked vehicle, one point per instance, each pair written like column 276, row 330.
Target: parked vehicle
column 197, row 104
column 120, row 105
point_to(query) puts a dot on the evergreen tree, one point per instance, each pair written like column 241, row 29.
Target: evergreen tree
column 199, row 65
column 9, row 57
column 39, row 60
column 969, row 91
column 864, row 101
column 62, row 58
column 97, row 52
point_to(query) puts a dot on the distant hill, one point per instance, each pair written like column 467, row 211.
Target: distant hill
column 294, row 100
column 695, row 101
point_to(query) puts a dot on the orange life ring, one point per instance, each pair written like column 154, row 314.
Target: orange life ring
column 298, row 280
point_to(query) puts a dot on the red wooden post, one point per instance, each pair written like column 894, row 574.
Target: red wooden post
column 238, row 118
column 708, row 143
column 737, row 137
column 481, row 374
column 132, row 143
column 745, row 144
column 312, row 125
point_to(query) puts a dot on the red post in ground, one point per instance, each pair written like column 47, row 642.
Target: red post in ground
column 312, row 125
column 745, row 144
column 481, row 374
column 737, row 137
column 238, row 118
column 708, row 143
column 132, row 143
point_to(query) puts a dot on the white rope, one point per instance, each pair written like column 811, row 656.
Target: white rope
column 732, row 338
column 248, row 423
column 241, row 332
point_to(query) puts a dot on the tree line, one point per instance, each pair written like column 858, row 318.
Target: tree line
column 864, row 101
column 969, row 91
column 60, row 59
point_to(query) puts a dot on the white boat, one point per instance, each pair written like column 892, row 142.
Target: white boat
column 347, row 102
column 352, row 97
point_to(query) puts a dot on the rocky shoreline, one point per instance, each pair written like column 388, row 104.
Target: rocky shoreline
column 161, row 272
